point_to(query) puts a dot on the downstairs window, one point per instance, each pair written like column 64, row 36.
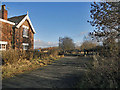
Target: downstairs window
column 3, row 45
column 25, row 46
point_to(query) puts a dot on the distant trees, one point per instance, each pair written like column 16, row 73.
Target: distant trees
column 66, row 43
column 88, row 43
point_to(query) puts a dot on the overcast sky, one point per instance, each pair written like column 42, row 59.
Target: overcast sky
column 52, row 20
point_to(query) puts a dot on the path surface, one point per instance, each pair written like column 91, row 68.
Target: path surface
column 61, row 74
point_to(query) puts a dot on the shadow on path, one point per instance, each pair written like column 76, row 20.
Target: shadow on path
column 61, row 74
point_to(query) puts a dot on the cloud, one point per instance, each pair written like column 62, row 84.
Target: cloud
column 83, row 33
column 78, row 43
column 42, row 44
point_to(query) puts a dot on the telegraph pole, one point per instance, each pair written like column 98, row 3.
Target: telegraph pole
column 59, row 42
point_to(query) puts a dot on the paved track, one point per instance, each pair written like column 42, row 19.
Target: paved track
column 61, row 74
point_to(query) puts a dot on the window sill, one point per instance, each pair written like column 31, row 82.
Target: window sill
column 2, row 49
column 25, row 49
column 25, row 36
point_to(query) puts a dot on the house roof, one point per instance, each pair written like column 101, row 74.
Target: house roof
column 18, row 20
column 3, row 20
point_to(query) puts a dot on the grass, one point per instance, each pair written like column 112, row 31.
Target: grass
column 21, row 66
column 17, row 62
column 103, row 73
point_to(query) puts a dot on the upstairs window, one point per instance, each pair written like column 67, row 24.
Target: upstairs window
column 25, row 31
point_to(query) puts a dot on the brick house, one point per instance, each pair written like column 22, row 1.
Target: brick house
column 16, row 32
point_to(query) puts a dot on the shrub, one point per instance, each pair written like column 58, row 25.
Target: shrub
column 37, row 54
column 54, row 52
column 103, row 74
column 12, row 56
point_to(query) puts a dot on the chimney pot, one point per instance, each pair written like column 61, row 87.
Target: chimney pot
column 3, row 12
column 3, row 7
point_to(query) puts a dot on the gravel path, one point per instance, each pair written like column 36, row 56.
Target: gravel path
column 61, row 74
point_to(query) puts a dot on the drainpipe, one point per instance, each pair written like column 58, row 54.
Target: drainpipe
column 13, row 38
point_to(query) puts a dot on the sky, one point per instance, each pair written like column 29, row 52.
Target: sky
column 52, row 20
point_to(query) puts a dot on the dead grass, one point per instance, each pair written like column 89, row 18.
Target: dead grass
column 16, row 62
column 9, row 70
column 104, row 73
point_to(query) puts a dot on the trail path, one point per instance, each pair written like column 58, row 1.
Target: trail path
column 60, row 74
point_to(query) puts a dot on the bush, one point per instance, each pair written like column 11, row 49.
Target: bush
column 37, row 54
column 15, row 61
column 52, row 52
column 10, row 56
column 103, row 74
column 13, row 56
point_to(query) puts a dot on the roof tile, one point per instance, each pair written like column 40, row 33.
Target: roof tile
column 16, row 19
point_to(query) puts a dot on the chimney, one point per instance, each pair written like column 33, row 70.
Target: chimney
column 3, row 12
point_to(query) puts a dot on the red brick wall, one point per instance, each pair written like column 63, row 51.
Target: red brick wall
column 19, row 39
column 6, row 33
column 3, row 14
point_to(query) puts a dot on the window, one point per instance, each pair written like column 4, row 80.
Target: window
column 3, row 45
column 25, row 46
column 25, row 31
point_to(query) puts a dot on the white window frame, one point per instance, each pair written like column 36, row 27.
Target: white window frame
column 25, row 44
column 3, row 43
column 25, row 27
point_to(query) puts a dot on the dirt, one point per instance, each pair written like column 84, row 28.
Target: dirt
column 63, row 73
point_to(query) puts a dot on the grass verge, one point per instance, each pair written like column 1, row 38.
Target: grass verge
column 23, row 65
column 103, row 73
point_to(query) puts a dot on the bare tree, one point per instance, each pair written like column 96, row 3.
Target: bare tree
column 66, row 43
column 88, row 43
column 105, row 18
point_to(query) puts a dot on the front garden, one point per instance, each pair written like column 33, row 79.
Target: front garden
column 16, row 62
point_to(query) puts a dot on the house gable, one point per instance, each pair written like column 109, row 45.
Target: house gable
column 19, row 20
column 20, row 38
column 16, row 32
column 23, row 20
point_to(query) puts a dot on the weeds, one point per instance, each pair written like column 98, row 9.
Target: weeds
column 15, row 62
column 103, row 74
